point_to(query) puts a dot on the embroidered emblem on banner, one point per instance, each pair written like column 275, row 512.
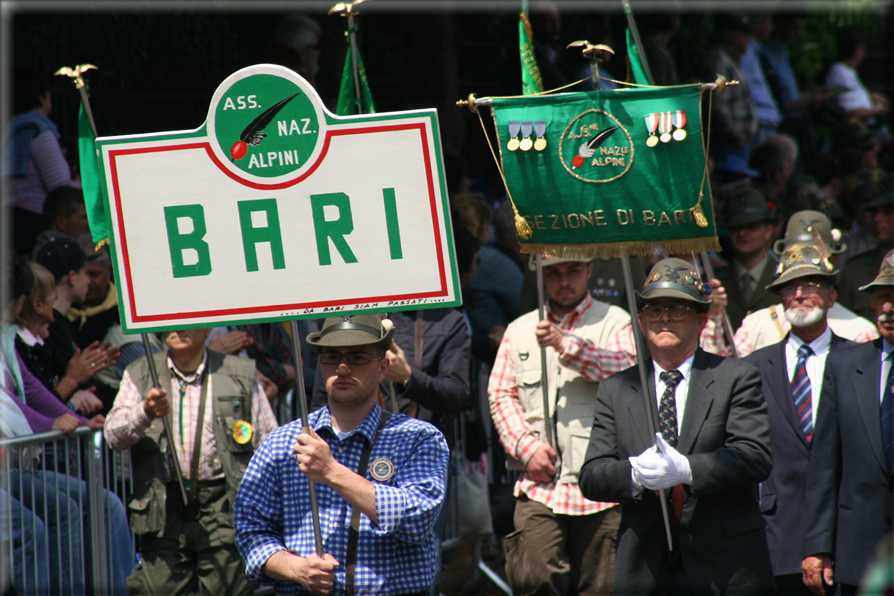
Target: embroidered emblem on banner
column 381, row 469
column 595, row 147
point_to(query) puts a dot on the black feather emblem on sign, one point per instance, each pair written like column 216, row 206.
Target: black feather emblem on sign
column 252, row 134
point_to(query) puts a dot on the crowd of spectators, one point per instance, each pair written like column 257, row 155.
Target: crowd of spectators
column 776, row 149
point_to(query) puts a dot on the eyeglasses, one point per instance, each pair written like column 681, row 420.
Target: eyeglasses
column 353, row 358
column 675, row 312
column 809, row 289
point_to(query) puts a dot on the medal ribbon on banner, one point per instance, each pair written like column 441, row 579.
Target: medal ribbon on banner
column 540, row 131
column 664, row 126
column 526, row 142
column 652, row 127
column 679, row 125
column 514, row 127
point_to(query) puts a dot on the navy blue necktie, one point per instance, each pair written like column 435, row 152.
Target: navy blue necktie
column 801, row 391
column 887, row 415
column 667, row 407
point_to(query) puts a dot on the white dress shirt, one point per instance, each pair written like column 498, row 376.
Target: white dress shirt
column 682, row 388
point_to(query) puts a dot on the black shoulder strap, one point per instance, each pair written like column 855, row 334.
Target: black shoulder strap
column 354, row 533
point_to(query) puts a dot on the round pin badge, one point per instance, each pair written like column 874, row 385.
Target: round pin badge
column 242, row 432
column 381, row 469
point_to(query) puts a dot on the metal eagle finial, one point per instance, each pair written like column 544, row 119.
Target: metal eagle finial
column 345, row 8
column 75, row 73
column 590, row 52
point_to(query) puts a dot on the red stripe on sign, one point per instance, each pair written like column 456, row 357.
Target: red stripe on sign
column 125, row 255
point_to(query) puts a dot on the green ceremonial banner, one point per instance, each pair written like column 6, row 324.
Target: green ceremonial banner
column 607, row 173
column 90, row 180
column 347, row 99
column 637, row 72
column 532, row 82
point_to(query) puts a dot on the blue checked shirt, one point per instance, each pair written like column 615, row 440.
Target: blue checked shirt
column 396, row 556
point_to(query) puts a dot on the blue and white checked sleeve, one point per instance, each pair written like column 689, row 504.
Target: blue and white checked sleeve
column 258, row 513
column 410, row 508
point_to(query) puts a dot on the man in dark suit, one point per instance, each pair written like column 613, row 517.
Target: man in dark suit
column 751, row 268
column 792, row 372
column 850, row 487
column 713, row 449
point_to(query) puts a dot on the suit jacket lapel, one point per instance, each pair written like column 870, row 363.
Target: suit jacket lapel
column 780, row 387
column 637, row 407
column 698, row 403
column 866, row 394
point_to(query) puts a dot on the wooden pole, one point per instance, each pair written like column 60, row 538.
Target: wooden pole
column 305, row 427
column 544, row 385
column 166, row 421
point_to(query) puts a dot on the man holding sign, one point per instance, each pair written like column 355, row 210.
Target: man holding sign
column 712, row 450
column 186, row 544
column 380, row 478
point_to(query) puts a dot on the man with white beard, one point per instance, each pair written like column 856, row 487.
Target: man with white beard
column 792, row 373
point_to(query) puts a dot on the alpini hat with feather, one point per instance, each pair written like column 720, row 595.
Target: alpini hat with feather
column 803, row 260
column 675, row 278
column 808, row 227
column 354, row 330
column 885, row 275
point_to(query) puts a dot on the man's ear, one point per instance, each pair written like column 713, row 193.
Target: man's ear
column 384, row 365
column 833, row 296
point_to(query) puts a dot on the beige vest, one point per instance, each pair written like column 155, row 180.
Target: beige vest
column 572, row 397
column 230, row 400
column 768, row 326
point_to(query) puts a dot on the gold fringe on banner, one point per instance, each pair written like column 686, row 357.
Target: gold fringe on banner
column 605, row 250
column 102, row 244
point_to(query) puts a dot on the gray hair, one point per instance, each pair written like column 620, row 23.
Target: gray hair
column 296, row 31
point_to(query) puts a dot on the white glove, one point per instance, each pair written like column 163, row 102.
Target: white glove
column 636, row 480
column 661, row 468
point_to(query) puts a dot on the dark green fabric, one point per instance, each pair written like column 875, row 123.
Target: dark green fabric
column 581, row 203
column 348, row 104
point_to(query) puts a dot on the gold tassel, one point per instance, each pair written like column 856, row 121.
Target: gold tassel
column 101, row 245
column 521, row 226
column 699, row 215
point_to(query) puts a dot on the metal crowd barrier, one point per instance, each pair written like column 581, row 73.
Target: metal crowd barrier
column 56, row 535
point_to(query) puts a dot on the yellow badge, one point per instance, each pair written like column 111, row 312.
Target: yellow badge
column 242, row 432
column 381, row 469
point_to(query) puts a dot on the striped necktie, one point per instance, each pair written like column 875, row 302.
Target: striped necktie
column 801, row 391
column 887, row 415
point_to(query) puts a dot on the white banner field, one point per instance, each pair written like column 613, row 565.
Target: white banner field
column 277, row 209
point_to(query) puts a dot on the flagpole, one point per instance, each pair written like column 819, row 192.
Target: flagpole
column 706, row 261
column 634, row 31
column 592, row 54
column 301, row 396
column 76, row 75
column 544, row 385
column 351, row 36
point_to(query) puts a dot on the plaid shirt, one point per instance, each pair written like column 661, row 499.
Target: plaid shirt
column 128, row 422
column 271, row 349
column 733, row 112
column 592, row 362
column 397, row 555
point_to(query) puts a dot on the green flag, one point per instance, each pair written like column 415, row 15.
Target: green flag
column 532, row 82
column 347, row 99
column 636, row 64
column 607, row 173
column 96, row 211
